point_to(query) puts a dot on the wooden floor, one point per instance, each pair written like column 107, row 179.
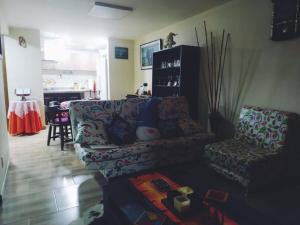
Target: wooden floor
column 46, row 186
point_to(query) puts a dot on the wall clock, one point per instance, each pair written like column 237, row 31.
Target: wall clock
column 22, row 42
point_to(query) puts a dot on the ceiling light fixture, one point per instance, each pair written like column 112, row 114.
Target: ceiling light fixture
column 109, row 11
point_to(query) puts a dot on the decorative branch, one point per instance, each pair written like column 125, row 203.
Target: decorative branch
column 219, row 67
column 222, row 71
column 208, row 67
column 204, row 77
column 215, row 67
column 212, row 70
column 196, row 32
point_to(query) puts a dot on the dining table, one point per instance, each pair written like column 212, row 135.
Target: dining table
column 24, row 117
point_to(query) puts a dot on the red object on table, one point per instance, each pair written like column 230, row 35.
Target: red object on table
column 94, row 86
column 24, row 117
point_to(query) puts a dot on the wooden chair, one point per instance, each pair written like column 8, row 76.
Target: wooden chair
column 58, row 118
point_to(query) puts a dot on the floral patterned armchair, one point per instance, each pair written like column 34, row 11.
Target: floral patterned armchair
column 258, row 152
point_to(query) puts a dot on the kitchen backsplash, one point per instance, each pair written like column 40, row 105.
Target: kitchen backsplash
column 69, row 81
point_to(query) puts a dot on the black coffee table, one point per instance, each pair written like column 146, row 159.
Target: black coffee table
column 123, row 204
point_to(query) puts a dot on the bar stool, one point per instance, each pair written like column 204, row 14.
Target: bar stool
column 58, row 118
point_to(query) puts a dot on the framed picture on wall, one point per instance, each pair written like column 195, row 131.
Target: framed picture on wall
column 121, row 53
column 146, row 53
column 285, row 24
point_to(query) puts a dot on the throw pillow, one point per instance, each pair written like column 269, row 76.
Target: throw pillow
column 169, row 128
column 147, row 121
column 91, row 133
column 131, row 109
column 120, row 131
column 189, row 126
column 147, row 133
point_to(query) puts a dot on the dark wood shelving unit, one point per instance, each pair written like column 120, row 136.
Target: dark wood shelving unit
column 176, row 73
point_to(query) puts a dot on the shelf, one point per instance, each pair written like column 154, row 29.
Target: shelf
column 168, row 68
column 165, row 86
column 184, row 70
column 50, row 61
column 68, row 72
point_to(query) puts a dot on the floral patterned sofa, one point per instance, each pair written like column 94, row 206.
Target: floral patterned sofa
column 140, row 155
column 258, row 152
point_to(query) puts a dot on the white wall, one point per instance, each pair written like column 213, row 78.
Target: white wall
column 4, row 149
column 67, row 57
column 269, row 70
column 102, row 74
column 121, row 71
column 3, row 24
column 23, row 65
column 3, row 27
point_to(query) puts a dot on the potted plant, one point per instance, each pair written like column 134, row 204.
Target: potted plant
column 214, row 75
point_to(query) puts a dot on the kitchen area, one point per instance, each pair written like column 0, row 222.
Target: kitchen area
column 61, row 68
column 73, row 70
column 54, row 67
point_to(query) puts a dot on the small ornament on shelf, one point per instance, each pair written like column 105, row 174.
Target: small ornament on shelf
column 170, row 40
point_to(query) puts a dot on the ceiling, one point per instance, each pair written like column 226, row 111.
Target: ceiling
column 70, row 17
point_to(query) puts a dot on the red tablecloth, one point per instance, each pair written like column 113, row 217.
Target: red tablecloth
column 24, row 117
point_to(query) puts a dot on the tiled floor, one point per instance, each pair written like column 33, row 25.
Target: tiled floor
column 46, row 186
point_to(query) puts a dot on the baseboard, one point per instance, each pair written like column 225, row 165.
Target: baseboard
column 4, row 182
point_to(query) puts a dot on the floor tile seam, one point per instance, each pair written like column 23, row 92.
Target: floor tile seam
column 15, row 221
column 35, row 180
column 55, row 201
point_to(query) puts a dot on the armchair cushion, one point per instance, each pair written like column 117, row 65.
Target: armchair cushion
column 240, row 157
column 263, row 128
column 258, row 153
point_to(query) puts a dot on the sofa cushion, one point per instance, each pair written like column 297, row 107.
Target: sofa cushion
column 120, row 131
column 147, row 121
column 148, row 113
column 239, row 157
column 91, row 133
column 173, row 108
column 147, row 133
column 138, row 147
column 131, row 109
column 169, row 128
column 263, row 128
column 189, row 126
column 93, row 110
column 144, row 155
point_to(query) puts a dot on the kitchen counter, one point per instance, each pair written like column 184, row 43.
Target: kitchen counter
column 53, row 91
column 61, row 95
